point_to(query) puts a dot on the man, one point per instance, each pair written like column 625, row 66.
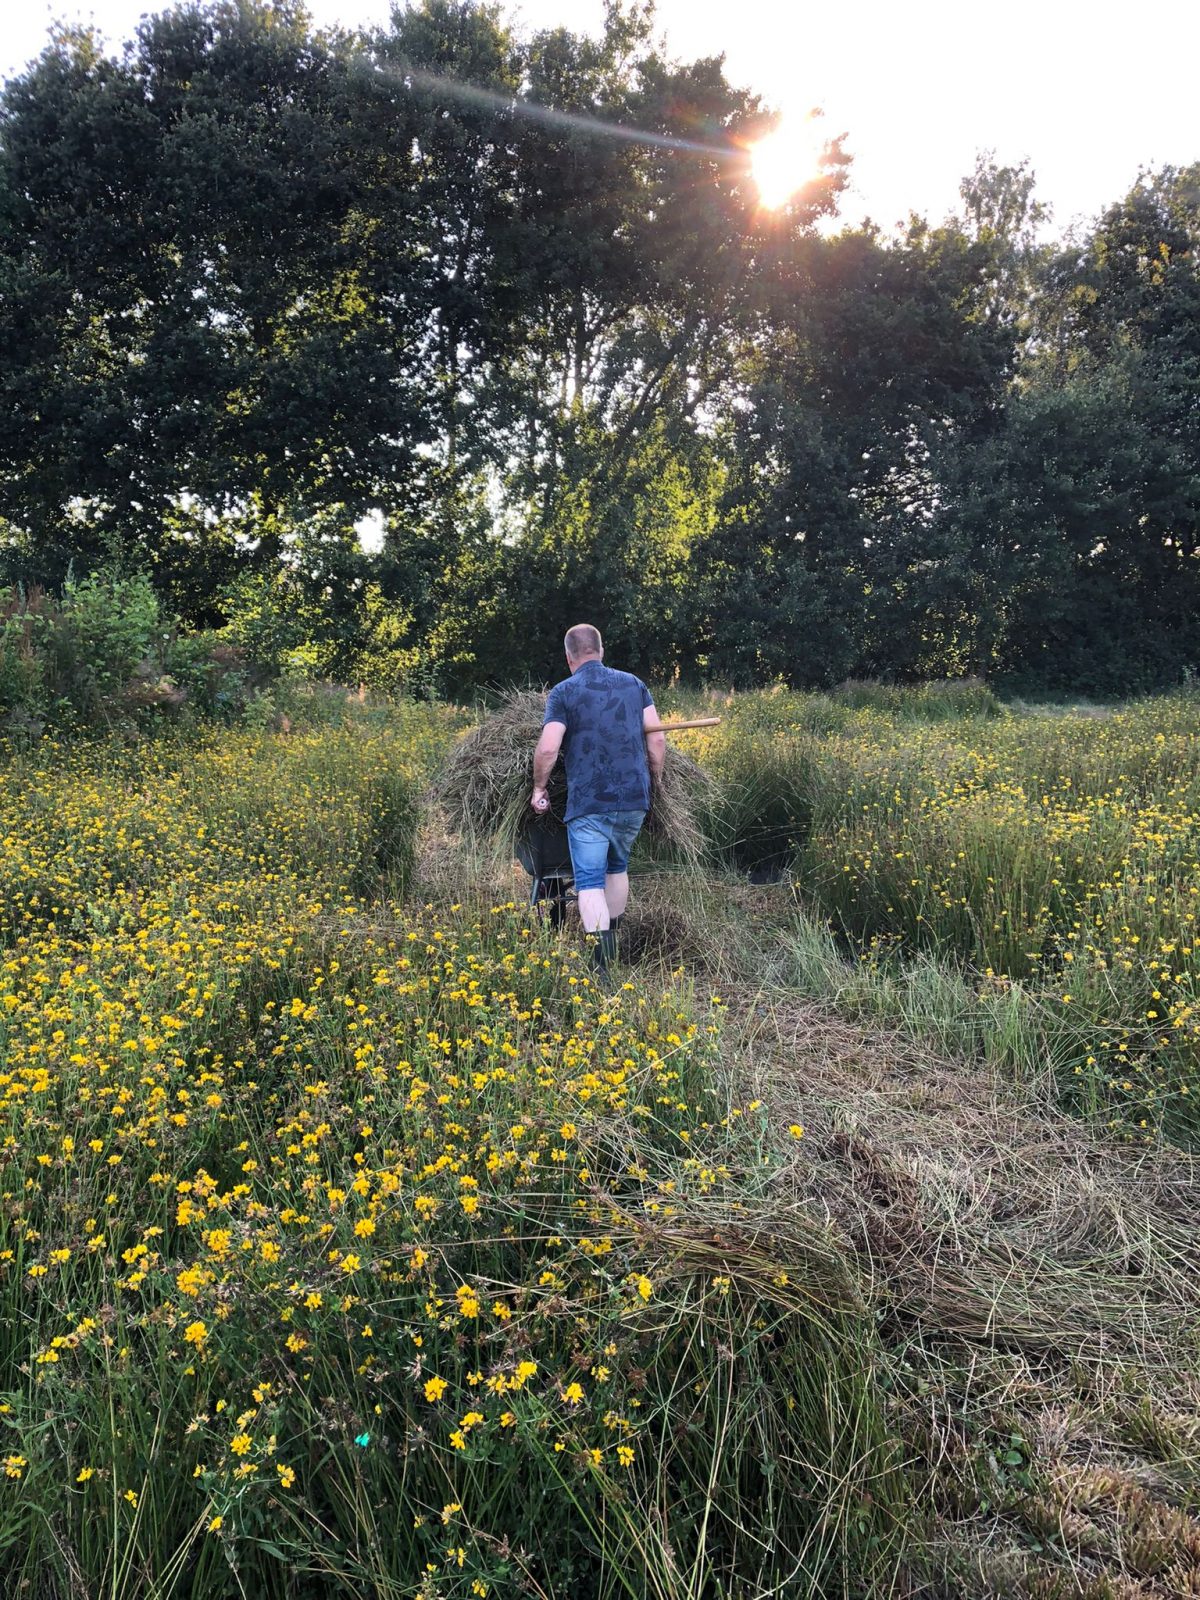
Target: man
column 597, row 717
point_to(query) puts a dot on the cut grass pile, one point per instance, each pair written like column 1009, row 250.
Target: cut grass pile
column 1035, row 1289
column 486, row 779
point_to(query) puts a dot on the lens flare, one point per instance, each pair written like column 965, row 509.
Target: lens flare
column 786, row 160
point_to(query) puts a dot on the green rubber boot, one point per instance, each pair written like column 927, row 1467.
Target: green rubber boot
column 604, row 954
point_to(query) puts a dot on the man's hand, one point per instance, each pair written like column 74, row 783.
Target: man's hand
column 540, row 801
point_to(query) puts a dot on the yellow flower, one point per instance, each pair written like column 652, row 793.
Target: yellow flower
column 645, row 1288
column 468, row 1301
column 625, row 1455
column 573, row 1394
column 797, row 1130
column 287, row 1475
column 195, row 1333
column 240, row 1443
column 216, row 1525
column 435, row 1388
column 14, row 1466
column 84, row 1474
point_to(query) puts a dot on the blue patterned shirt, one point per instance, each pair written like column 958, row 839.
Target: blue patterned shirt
column 604, row 747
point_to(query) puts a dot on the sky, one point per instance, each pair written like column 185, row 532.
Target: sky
column 919, row 88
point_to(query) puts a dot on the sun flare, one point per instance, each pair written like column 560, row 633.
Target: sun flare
column 786, row 160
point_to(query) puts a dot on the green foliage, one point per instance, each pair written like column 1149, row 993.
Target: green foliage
column 113, row 627
column 102, row 656
column 95, row 656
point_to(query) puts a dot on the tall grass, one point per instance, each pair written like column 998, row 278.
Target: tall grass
column 1054, row 857
column 355, row 1247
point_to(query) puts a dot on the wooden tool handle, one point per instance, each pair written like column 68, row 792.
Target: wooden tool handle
column 673, row 727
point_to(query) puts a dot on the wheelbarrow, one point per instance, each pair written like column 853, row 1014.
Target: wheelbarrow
column 543, row 850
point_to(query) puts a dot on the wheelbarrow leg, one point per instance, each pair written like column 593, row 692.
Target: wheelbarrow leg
column 554, row 890
column 558, row 903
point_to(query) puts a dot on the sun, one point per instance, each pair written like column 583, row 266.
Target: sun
column 786, row 160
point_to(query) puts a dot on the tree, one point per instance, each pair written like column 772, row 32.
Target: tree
column 185, row 239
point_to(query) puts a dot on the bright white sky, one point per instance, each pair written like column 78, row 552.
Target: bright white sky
column 1089, row 94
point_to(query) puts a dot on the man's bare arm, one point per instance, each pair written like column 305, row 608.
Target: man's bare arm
column 656, row 744
column 544, row 757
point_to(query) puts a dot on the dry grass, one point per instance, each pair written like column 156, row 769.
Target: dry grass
column 1036, row 1285
column 990, row 1216
column 484, row 784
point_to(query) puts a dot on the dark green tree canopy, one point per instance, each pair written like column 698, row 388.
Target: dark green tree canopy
column 515, row 295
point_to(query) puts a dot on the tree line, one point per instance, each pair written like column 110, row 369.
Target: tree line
column 513, row 296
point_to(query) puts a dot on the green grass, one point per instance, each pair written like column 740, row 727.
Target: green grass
column 1052, row 862
column 242, row 1014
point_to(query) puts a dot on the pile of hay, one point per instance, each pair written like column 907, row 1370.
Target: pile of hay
column 485, row 782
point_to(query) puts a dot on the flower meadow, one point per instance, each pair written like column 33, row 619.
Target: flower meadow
column 1054, row 856
column 357, row 1243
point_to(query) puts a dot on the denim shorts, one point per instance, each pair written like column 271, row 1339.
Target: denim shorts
column 600, row 845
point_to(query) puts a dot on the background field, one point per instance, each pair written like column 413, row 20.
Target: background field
column 355, row 1243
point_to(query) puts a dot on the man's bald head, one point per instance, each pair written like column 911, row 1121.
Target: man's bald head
column 583, row 641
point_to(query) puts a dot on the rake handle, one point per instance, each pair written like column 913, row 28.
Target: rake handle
column 674, row 727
